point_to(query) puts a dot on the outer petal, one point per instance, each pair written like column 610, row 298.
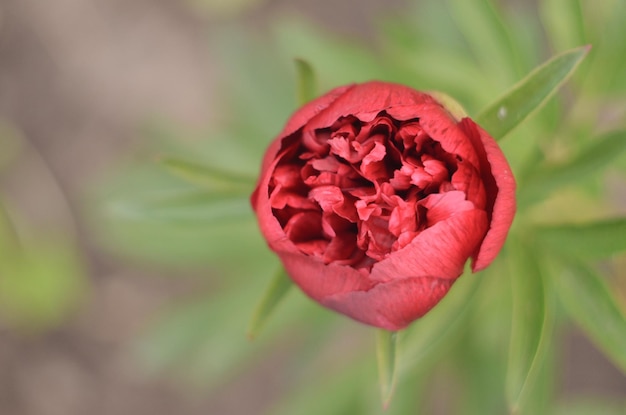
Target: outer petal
column 439, row 251
column 392, row 305
column 269, row 225
column 503, row 195
column 312, row 108
column 365, row 101
column 319, row 280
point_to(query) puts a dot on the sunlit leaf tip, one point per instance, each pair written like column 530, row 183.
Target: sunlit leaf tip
column 274, row 293
column 306, row 83
column 386, row 356
column 530, row 93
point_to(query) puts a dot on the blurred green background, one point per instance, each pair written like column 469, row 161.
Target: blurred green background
column 127, row 289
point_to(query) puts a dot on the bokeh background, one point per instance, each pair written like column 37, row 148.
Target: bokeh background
column 91, row 90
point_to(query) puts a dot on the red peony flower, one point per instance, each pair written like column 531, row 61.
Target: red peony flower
column 374, row 196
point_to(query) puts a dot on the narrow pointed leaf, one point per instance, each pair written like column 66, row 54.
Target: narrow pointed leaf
column 183, row 207
column 530, row 93
column 591, row 303
column 386, row 356
column 427, row 337
column 307, row 88
column 591, row 161
column 275, row 292
column 589, row 240
column 206, row 176
column 531, row 328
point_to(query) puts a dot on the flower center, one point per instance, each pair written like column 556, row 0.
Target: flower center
column 356, row 192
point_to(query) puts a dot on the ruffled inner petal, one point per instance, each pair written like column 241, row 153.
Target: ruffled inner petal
column 353, row 192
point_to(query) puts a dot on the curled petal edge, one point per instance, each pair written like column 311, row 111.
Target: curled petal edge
column 504, row 205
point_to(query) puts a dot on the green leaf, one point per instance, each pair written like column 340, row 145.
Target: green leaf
column 307, row 86
column 590, row 161
column 207, row 176
column 144, row 213
column 588, row 240
column 530, row 93
column 275, row 292
column 531, row 327
column 386, row 357
column 337, row 61
column 183, row 207
column 428, row 336
column 591, row 303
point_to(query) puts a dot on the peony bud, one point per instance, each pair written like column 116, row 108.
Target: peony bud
column 374, row 196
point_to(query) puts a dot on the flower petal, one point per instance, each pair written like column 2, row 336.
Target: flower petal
column 319, row 280
column 443, row 128
column 392, row 305
column 503, row 203
column 365, row 101
column 439, row 251
column 442, row 206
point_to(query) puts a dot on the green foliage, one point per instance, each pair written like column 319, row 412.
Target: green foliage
column 197, row 338
column 592, row 159
column 275, row 292
column 587, row 240
column 531, row 327
column 147, row 213
column 386, row 356
column 590, row 302
column 530, row 93
column 426, row 340
column 208, row 176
